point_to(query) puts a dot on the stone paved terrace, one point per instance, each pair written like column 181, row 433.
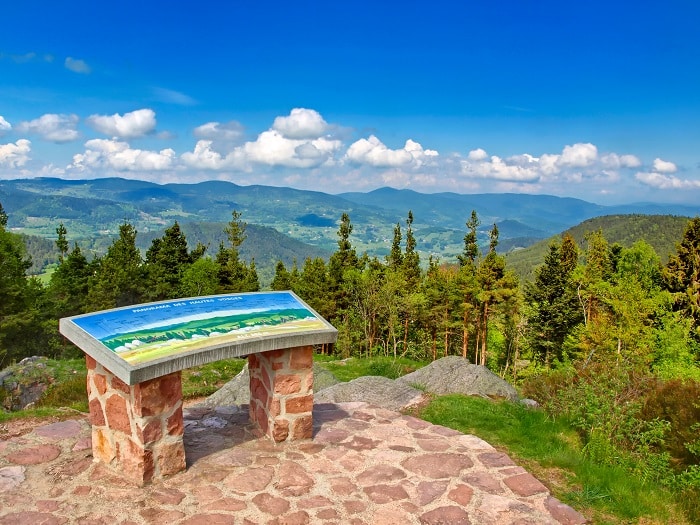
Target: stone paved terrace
column 365, row 465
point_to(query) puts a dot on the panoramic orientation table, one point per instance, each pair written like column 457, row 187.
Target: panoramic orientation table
column 135, row 356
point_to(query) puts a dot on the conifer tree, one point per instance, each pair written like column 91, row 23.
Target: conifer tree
column 682, row 276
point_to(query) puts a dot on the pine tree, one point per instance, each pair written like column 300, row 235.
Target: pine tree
column 235, row 275
column 471, row 247
column 3, row 217
column 681, row 276
column 61, row 242
column 554, row 309
column 119, row 279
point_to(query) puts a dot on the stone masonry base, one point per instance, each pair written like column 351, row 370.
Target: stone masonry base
column 136, row 429
column 281, row 392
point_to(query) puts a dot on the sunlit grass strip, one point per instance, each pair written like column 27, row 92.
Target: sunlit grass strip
column 552, row 450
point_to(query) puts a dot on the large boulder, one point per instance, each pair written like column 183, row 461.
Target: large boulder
column 455, row 375
column 237, row 391
column 376, row 390
column 23, row 384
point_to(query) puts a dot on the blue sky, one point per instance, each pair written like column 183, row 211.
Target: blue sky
column 595, row 100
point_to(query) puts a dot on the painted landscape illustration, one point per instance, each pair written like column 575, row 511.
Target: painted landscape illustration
column 153, row 331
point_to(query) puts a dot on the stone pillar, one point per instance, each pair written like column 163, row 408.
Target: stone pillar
column 281, row 392
column 136, row 429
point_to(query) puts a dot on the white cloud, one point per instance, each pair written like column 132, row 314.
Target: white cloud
column 578, row 156
column 518, row 168
column 130, row 125
column 4, row 125
column 662, row 166
column 666, row 182
column 119, row 156
column 228, row 131
column 274, row 149
column 77, row 66
column 52, row 127
column 478, row 154
column 301, row 124
column 374, row 152
column 173, row 97
column 615, row 161
column 15, row 155
column 204, row 157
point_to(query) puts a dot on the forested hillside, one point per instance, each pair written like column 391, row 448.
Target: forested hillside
column 662, row 232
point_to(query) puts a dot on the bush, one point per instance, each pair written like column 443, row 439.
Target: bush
column 677, row 402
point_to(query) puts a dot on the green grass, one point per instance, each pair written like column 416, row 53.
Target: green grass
column 204, row 380
column 552, row 450
column 352, row 368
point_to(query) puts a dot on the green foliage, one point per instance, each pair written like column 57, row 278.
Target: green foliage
column 606, row 493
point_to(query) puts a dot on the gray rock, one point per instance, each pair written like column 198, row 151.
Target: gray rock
column 455, row 375
column 23, row 384
column 237, row 391
column 376, row 390
column 530, row 403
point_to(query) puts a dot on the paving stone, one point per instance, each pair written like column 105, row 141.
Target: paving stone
column 380, row 474
column 293, row 481
column 209, row 519
column 254, row 480
column 563, row 513
column 227, row 504
column 461, row 494
column 34, row 455
column 271, row 504
column 444, row 515
column 385, row 493
column 428, row 491
column 483, row 481
column 11, row 477
column 166, row 496
column 295, row 518
column 495, row 459
column 441, row 465
column 156, row 516
column 525, row 485
column 31, row 518
column 59, row 430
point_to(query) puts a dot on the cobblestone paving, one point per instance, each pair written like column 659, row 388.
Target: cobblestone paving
column 365, row 465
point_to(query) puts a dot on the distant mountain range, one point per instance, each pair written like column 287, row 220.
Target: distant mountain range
column 93, row 209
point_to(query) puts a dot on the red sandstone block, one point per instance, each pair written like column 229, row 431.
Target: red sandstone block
column 307, row 385
column 100, row 382
column 117, row 414
column 298, row 405
column 155, row 396
column 287, row 384
column 118, row 384
column 175, row 425
column 170, row 458
column 275, row 355
column 280, row 429
column 302, row 357
column 102, row 447
column 135, row 462
column 151, row 433
column 277, row 365
column 253, row 362
column 302, row 428
column 274, row 407
column 90, row 363
column 97, row 416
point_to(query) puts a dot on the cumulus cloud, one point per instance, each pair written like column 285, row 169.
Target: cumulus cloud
column 478, row 154
column 77, row 66
column 615, row 161
column 374, row 152
column 119, row 156
column 301, row 124
column 296, row 141
column 4, row 125
column 130, row 125
column 662, row 166
column 15, row 155
column 663, row 181
column 521, row 168
column 52, row 127
column 274, row 149
column 228, row 131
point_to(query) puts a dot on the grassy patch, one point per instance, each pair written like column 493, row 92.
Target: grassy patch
column 206, row 379
column 352, row 368
column 552, row 450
